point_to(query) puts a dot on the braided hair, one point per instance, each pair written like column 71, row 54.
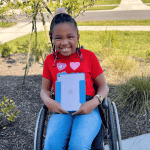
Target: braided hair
column 63, row 18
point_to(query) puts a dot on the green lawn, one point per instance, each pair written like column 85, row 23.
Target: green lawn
column 135, row 44
column 146, row 1
column 7, row 24
column 104, row 2
column 129, row 43
column 114, row 23
column 102, row 7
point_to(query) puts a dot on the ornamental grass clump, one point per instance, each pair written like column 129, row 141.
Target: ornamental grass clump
column 8, row 111
column 120, row 65
column 134, row 95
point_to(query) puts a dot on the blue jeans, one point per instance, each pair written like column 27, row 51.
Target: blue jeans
column 80, row 129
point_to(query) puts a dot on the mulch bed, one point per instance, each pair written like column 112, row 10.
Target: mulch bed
column 19, row 135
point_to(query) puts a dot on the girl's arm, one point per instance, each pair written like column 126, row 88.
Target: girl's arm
column 103, row 90
column 102, row 86
column 45, row 94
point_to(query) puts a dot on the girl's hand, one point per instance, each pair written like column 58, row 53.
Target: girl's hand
column 87, row 107
column 55, row 107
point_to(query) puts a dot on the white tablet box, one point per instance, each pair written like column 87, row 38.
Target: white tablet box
column 70, row 90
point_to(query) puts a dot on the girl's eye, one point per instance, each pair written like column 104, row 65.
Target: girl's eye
column 57, row 38
column 70, row 36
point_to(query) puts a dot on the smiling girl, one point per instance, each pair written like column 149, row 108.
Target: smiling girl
column 81, row 127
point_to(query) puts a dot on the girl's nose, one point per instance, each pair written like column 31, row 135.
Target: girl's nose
column 64, row 42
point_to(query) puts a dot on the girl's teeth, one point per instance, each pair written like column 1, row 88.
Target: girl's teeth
column 65, row 49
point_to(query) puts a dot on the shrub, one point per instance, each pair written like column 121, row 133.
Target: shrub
column 7, row 110
column 134, row 95
column 23, row 47
column 5, row 50
column 120, row 64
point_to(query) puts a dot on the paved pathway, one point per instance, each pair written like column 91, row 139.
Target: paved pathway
column 132, row 5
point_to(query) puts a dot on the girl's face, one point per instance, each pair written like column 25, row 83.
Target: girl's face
column 65, row 38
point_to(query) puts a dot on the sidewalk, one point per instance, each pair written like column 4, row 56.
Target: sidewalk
column 24, row 28
column 136, row 143
column 132, row 5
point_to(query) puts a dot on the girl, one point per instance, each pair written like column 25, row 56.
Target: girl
column 82, row 126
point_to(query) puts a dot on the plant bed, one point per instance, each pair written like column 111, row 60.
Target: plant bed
column 19, row 135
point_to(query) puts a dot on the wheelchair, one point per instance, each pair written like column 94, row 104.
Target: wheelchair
column 109, row 135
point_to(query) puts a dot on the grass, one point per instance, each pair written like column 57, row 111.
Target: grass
column 102, row 7
column 136, row 44
column 134, row 94
column 146, row 1
column 115, row 23
column 129, row 43
column 104, row 2
column 120, row 65
column 7, row 24
column 25, row 39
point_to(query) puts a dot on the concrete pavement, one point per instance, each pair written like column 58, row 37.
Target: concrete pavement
column 24, row 28
column 132, row 5
column 136, row 143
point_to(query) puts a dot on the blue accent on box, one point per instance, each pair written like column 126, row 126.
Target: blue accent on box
column 81, row 89
column 58, row 91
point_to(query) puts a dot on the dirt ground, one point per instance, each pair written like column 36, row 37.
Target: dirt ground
column 19, row 135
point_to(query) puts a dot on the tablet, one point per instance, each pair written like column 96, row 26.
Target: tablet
column 70, row 90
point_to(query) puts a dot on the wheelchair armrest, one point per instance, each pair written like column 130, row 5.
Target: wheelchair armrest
column 105, row 103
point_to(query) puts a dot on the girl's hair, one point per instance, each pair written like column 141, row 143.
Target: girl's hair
column 63, row 18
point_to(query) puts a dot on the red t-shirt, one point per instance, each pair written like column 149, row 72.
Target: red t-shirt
column 72, row 64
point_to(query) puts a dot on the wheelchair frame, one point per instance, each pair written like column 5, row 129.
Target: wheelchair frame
column 110, row 125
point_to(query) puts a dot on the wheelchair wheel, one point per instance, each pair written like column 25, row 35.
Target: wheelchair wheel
column 111, row 131
column 39, row 128
column 117, row 126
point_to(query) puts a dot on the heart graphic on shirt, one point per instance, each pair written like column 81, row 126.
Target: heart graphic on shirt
column 61, row 66
column 74, row 65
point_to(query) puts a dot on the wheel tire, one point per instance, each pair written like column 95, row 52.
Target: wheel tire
column 112, row 141
column 117, row 126
column 39, row 129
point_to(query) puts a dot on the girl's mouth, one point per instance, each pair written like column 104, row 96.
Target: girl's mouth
column 66, row 49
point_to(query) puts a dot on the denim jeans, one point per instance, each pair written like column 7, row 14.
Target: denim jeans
column 80, row 130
